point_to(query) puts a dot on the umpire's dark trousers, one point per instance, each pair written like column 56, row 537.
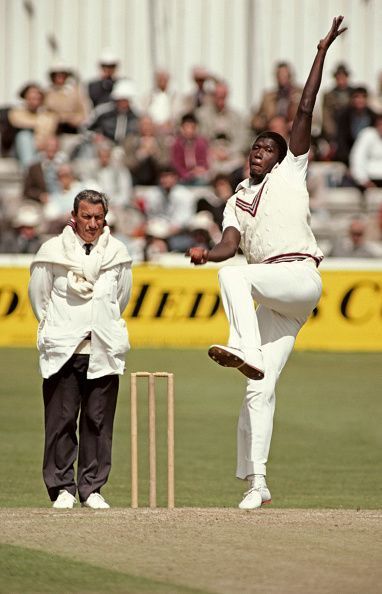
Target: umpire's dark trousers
column 66, row 394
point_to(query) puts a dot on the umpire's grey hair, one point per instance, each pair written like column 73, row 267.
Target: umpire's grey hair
column 92, row 197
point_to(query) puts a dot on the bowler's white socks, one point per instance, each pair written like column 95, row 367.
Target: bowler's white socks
column 256, row 480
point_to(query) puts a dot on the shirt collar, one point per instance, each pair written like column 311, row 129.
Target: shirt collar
column 82, row 241
column 248, row 183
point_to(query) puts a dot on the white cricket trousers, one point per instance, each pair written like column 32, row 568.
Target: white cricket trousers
column 286, row 294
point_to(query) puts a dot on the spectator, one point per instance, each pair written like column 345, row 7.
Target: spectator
column 279, row 124
column 172, row 203
column 116, row 120
column 240, row 173
column 66, row 99
column 214, row 202
column 156, row 239
column 24, row 237
column 128, row 226
column 146, row 151
column 366, row 156
column 200, row 94
column 334, row 101
column 100, row 89
column 217, row 118
column 7, row 133
column 59, row 205
column 112, row 177
column 282, row 100
column 189, row 153
column 203, row 230
column 162, row 104
column 223, row 157
column 41, row 178
column 351, row 120
column 33, row 123
column 356, row 244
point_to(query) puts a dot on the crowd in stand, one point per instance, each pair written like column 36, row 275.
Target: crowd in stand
column 169, row 162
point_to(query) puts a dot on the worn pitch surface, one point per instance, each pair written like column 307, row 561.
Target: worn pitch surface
column 219, row 550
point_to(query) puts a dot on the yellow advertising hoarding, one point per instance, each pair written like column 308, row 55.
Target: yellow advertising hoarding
column 182, row 307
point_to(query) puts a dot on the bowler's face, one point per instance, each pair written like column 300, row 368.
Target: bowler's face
column 263, row 157
column 89, row 220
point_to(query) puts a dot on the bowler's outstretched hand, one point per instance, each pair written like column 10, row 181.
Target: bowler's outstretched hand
column 198, row 255
column 334, row 32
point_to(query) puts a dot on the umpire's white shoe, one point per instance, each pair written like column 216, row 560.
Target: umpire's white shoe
column 65, row 500
column 227, row 356
column 95, row 501
column 255, row 498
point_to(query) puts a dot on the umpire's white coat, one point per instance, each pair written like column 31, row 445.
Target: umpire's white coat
column 73, row 294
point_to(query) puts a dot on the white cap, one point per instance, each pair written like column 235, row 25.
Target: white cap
column 157, row 227
column 108, row 57
column 123, row 89
column 27, row 216
column 60, row 66
column 201, row 220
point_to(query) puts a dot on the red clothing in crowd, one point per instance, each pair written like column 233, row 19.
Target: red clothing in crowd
column 186, row 155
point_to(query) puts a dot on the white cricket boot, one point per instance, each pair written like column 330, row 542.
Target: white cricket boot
column 65, row 500
column 227, row 356
column 95, row 501
column 257, row 495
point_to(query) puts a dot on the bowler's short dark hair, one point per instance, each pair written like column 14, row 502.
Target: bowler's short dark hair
column 278, row 139
column 92, row 197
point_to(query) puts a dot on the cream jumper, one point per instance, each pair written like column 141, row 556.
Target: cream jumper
column 273, row 217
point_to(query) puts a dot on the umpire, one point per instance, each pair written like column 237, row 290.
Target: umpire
column 80, row 284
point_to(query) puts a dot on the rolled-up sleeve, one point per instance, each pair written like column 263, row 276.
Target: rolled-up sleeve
column 40, row 288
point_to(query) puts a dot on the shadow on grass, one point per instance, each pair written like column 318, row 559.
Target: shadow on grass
column 25, row 570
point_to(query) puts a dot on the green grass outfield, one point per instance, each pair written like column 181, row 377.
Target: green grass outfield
column 326, row 450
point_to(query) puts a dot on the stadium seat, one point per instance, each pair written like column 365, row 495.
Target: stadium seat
column 343, row 200
column 10, row 170
column 10, row 199
column 331, row 172
column 373, row 198
column 325, row 246
column 321, row 226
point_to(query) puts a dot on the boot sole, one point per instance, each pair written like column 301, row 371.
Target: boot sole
column 268, row 502
column 227, row 359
